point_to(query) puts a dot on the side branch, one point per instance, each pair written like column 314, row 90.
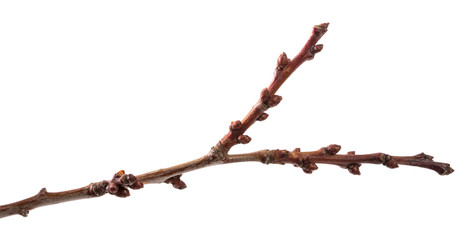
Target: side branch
column 285, row 68
column 307, row 161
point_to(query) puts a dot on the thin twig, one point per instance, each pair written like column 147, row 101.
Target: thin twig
column 121, row 182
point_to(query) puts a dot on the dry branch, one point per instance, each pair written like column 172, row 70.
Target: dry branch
column 307, row 161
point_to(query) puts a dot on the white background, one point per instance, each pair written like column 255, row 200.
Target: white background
column 91, row 87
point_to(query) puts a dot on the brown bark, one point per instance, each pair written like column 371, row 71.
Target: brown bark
column 307, row 161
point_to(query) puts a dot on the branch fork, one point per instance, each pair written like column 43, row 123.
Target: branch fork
column 120, row 183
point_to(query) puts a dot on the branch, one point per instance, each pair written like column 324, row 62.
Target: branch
column 117, row 186
column 328, row 155
column 307, row 161
column 285, row 68
column 120, row 183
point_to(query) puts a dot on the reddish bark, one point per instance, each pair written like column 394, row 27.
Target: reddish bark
column 307, row 161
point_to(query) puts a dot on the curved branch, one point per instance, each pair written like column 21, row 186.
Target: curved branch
column 307, row 161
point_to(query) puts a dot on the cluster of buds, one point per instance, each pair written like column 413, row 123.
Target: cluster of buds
column 117, row 186
column 235, row 127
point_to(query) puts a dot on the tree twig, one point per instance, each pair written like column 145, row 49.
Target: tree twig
column 307, row 161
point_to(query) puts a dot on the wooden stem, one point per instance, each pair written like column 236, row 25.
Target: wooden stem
column 285, row 68
column 120, row 184
column 307, row 161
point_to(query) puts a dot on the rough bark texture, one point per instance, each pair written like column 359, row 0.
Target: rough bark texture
column 307, row 161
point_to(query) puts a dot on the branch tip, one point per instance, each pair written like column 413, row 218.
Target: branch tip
column 323, row 28
column 447, row 170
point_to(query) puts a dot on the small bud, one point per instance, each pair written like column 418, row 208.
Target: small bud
column 296, row 150
column 236, row 125
column 176, row 182
column 307, row 171
column 282, row 61
column 119, row 174
column 137, row 185
column 244, row 139
column 307, row 165
column 384, row 158
column 179, row 185
column 23, row 212
column 317, row 48
column 354, row 169
column 112, row 188
column 391, row 164
column 424, row 156
column 98, row 189
column 122, row 192
column 265, row 95
column 263, row 117
column 333, row 149
column 274, row 100
column 351, row 153
column 124, row 180
column 128, row 179
column 313, row 166
column 388, row 161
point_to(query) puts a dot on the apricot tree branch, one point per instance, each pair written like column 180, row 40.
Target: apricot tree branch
column 285, row 68
column 117, row 186
column 121, row 182
column 307, row 161
column 328, row 155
